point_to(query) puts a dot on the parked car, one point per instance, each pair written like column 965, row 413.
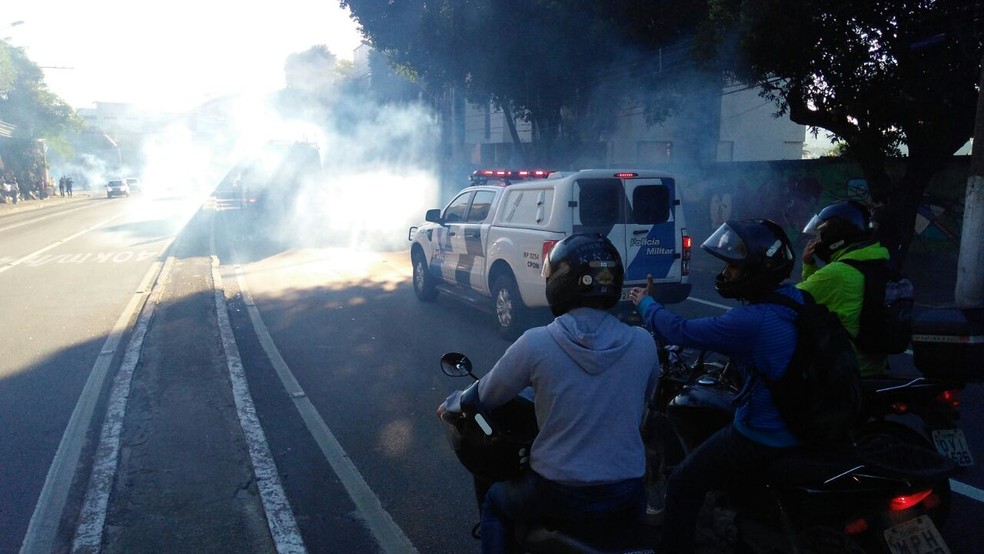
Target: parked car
column 117, row 187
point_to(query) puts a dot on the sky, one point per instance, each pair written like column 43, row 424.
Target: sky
column 170, row 56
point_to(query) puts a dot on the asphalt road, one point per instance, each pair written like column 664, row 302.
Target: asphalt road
column 275, row 397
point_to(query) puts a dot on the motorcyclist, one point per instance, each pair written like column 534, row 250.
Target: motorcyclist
column 759, row 257
column 591, row 376
column 842, row 230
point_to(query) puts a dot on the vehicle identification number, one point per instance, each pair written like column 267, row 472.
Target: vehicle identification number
column 952, row 444
column 916, row 536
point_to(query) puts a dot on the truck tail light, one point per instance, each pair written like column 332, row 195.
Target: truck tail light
column 547, row 247
column 686, row 242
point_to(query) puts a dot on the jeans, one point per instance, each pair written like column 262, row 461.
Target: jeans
column 531, row 497
column 727, row 456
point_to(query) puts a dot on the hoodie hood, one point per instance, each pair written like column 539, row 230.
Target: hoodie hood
column 592, row 338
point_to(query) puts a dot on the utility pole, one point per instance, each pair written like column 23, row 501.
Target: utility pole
column 969, row 290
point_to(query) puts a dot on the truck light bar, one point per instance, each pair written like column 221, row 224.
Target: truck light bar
column 512, row 173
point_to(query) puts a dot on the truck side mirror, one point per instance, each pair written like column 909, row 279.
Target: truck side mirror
column 434, row 216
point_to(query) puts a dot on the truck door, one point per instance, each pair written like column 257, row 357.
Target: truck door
column 449, row 239
column 470, row 268
column 652, row 241
column 599, row 206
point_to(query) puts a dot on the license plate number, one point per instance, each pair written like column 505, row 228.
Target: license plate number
column 952, row 444
column 916, row 536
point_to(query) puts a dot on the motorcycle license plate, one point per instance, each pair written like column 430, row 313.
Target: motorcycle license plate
column 952, row 444
column 916, row 536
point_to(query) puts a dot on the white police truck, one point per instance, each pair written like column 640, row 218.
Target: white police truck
column 487, row 245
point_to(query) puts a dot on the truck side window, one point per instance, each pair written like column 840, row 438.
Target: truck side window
column 650, row 204
column 600, row 201
column 480, row 206
column 455, row 212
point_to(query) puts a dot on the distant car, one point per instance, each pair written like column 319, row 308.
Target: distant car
column 117, row 187
column 133, row 183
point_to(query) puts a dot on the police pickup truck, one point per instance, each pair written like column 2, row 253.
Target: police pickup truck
column 488, row 243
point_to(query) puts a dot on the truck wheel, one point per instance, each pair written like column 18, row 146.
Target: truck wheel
column 423, row 281
column 511, row 314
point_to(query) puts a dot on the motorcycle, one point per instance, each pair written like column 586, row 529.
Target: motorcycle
column 927, row 408
column 885, row 490
column 504, row 438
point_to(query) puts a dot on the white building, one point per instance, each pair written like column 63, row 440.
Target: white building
column 747, row 131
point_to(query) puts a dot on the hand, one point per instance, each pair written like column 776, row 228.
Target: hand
column 808, row 256
column 638, row 293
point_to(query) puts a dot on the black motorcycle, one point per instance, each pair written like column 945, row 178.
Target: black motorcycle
column 884, row 490
column 495, row 445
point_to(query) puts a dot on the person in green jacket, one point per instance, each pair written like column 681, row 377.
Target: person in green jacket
column 842, row 230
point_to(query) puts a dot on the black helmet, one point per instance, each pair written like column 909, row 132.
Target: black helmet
column 495, row 445
column 760, row 248
column 838, row 225
column 583, row 270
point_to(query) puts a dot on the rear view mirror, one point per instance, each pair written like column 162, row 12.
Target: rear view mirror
column 433, row 216
column 454, row 364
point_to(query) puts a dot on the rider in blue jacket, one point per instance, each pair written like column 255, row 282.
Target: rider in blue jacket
column 759, row 258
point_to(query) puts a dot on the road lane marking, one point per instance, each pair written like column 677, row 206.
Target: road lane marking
column 280, row 518
column 44, row 217
column 43, row 527
column 387, row 533
column 92, row 518
column 956, row 486
column 27, row 258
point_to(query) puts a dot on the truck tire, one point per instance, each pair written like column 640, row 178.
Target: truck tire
column 423, row 282
column 510, row 312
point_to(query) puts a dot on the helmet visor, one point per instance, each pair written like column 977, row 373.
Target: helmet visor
column 725, row 243
column 812, row 225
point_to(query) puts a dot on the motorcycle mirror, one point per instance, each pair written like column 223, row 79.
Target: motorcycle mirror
column 454, row 364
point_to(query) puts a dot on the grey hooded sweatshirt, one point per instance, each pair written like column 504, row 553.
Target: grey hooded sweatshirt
column 591, row 376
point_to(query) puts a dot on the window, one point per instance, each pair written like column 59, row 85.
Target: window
column 650, row 204
column 455, row 212
column 480, row 206
column 599, row 201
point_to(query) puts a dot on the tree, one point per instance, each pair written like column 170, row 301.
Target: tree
column 40, row 118
column 564, row 67
column 875, row 74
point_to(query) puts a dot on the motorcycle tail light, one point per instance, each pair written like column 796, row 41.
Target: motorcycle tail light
column 907, row 501
column 856, row 527
column 899, row 408
column 950, row 397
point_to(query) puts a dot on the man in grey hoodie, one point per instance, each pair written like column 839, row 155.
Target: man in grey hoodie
column 592, row 376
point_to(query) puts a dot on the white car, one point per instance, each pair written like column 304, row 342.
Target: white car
column 489, row 242
column 117, row 187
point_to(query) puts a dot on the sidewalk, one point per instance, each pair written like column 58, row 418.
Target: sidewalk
column 25, row 205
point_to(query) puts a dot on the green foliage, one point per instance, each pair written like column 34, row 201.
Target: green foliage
column 38, row 116
column 565, row 67
column 877, row 74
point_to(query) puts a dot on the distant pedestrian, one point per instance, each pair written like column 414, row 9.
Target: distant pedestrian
column 61, row 186
column 68, row 186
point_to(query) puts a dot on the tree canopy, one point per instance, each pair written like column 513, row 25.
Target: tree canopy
column 561, row 66
column 876, row 74
column 26, row 102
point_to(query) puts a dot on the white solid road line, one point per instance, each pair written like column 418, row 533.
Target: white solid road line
column 55, row 244
column 283, row 527
column 89, row 533
column 956, row 486
column 388, row 534
column 43, row 527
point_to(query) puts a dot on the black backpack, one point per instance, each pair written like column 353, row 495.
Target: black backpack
column 819, row 394
column 886, row 312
